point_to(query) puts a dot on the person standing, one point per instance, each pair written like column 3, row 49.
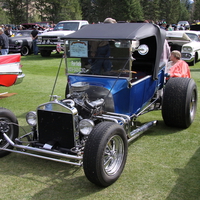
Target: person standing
column 101, row 49
column 4, row 43
column 34, row 35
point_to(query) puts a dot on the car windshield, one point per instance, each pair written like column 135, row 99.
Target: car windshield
column 183, row 23
column 111, row 60
column 22, row 33
column 192, row 36
column 67, row 26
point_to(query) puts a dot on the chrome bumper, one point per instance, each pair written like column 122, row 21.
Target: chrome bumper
column 19, row 79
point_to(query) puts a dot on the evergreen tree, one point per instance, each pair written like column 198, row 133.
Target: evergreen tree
column 16, row 10
column 58, row 10
column 196, row 13
column 151, row 9
column 169, row 10
column 184, row 14
column 103, row 9
column 88, row 11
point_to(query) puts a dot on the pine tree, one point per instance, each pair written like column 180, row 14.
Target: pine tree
column 196, row 14
column 151, row 9
column 129, row 10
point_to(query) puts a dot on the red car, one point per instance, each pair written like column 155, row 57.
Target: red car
column 10, row 70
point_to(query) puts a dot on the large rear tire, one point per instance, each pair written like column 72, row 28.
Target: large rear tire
column 105, row 154
column 9, row 125
column 179, row 102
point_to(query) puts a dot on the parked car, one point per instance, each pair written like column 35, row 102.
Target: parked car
column 21, row 42
column 187, row 42
column 10, row 70
column 30, row 26
column 184, row 24
column 51, row 41
column 46, row 24
column 195, row 26
column 93, row 124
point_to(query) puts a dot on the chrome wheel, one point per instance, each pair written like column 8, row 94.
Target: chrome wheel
column 113, row 155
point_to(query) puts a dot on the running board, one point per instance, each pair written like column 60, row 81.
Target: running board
column 137, row 132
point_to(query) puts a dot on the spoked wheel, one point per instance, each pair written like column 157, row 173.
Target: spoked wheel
column 8, row 125
column 105, row 154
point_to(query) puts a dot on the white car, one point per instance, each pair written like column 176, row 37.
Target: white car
column 185, row 24
column 51, row 41
column 187, row 42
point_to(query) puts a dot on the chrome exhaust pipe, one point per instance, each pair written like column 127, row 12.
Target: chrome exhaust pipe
column 137, row 132
column 44, row 157
column 39, row 150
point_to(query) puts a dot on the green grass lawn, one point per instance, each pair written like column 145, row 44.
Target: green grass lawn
column 163, row 164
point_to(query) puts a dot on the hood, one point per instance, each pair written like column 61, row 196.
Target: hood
column 57, row 33
column 177, row 35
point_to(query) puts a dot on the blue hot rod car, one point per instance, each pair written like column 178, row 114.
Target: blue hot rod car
column 93, row 124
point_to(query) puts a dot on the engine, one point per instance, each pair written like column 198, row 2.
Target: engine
column 85, row 106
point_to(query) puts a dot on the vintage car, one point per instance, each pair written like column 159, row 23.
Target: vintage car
column 99, row 115
column 30, row 26
column 185, row 24
column 10, row 70
column 51, row 41
column 187, row 42
column 21, row 42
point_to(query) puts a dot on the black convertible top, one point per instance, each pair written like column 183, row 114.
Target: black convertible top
column 123, row 31
column 130, row 31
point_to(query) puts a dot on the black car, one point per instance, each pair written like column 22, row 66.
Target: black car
column 21, row 42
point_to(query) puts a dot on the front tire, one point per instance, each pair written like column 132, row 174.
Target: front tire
column 105, row 153
column 25, row 51
column 179, row 102
column 11, row 129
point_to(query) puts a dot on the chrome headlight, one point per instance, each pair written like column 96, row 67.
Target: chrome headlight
column 187, row 48
column 16, row 42
column 31, row 118
column 86, row 126
column 39, row 38
column 143, row 49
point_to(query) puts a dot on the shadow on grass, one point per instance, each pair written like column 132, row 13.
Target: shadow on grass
column 39, row 57
column 158, row 129
column 195, row 70
column 61, row 181
column 167, row 129
column 188, row 184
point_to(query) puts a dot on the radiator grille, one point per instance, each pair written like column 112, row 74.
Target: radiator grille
column 56, row 126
